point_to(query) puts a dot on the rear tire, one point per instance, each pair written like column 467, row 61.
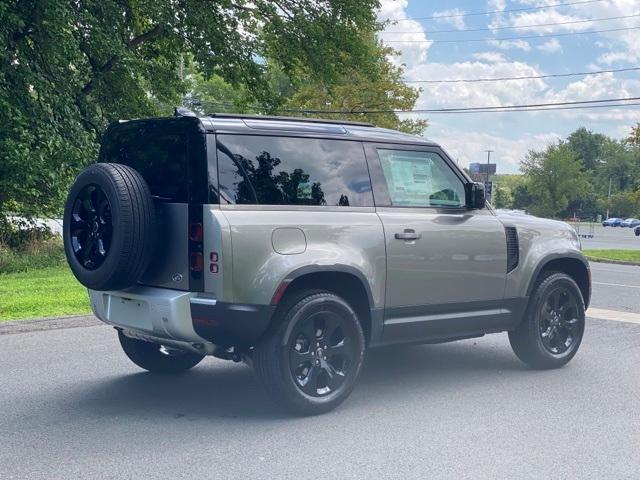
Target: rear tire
column 154, row 358
column 311, row 357
column 551, row 332
column 109, row 227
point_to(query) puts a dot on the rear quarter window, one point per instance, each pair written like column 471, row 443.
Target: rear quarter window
column 265, row 170
column 161, row 157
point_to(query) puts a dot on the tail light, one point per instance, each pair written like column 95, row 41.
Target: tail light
column 196, row 262
column 196, row 232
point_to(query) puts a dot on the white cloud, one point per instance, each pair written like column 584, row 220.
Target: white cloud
column 413, row 45
column 494, row 5
column 551, row 46
column 451, row 17
column 466, row 147
column 488, row 65
column 610, row 58
column 511, row 45
column 491, row 57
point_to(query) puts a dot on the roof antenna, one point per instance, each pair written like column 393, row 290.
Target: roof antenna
column 183, row 112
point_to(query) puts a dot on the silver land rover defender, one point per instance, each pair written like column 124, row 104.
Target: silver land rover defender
column 296, row 244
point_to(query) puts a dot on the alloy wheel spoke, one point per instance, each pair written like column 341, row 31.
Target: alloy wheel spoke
column 101, row 250
column 335, row 377
column 327, row 325
column 310, row 383
column 343, row 350
column 299, row 358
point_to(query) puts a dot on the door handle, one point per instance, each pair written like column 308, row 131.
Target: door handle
column 408, row 234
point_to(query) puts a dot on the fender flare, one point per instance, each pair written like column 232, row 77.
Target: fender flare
column 560, row 256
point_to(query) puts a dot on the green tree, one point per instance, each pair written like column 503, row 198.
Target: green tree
column 378, row 88
column 522, row 198
column 501, row 198
column 634, row 137
column 622, row 204
column 587, row 146
column 554, row 177
column 70, row 68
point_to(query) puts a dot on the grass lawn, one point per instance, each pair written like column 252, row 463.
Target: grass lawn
column 46, row 292
column 623, row 255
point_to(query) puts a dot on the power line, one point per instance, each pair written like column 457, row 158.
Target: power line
column 526, row 37
column 469, row 109
column 517, row 27
column 543, row 109
column 531, row 77
column 491, row 12
column 513, row 110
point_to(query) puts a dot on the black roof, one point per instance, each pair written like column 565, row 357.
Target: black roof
column 265, row 125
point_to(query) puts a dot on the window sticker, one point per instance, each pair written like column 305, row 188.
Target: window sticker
column 420, row 179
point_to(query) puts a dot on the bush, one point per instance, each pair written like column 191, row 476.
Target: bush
column 19, row 233
column 28, row 246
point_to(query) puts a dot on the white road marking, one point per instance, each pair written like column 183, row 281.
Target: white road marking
column 616, row 285
column 613, row 315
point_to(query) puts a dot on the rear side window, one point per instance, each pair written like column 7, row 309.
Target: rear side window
column 160, row 157
column 263, row 170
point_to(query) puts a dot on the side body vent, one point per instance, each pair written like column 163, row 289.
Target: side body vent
column 513, row 248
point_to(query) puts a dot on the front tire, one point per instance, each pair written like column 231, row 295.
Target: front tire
column 310, row 359
column 156, row 358
column 551, row 332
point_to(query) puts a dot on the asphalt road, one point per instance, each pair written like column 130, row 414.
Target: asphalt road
column 608, row 237
column 72, row 406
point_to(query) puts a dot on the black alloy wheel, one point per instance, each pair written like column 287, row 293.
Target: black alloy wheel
column 311, row 357
column 91, row 227
column 551, row 331
column 320, row 354
column 559, row 322
column 109, row 227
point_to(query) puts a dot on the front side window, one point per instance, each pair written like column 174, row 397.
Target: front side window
column 263, row 170
column 420, row 179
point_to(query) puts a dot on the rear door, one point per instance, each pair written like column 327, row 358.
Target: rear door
column 170, row 154
column 446, row 264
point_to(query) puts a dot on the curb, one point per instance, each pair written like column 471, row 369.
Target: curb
column 43, row 324
column 615, row 262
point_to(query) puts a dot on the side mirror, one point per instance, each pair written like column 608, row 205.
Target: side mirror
column 475, row 195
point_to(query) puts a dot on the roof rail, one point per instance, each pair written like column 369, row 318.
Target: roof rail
column 288, row 119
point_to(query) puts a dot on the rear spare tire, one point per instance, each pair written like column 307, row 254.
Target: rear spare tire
column 109, row 224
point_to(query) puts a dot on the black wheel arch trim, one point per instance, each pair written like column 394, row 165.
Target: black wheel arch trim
column 561, row 256
column 376, row 313
column 335, row 268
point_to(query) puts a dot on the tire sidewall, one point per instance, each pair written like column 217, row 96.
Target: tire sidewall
column 95, row 175
column 294, row 317
column 547, row 286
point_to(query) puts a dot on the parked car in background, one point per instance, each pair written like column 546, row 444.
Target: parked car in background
column 612, row 222
column 630, row 223
column 637, row 231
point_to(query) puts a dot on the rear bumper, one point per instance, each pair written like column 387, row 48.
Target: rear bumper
column 180, row 319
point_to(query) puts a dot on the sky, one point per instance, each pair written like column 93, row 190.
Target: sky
column 511, row 135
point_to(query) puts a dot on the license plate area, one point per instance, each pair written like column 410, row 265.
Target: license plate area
column 129, row 312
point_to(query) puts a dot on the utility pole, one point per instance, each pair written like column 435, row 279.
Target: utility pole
column 489, row 152
column 608, row 198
